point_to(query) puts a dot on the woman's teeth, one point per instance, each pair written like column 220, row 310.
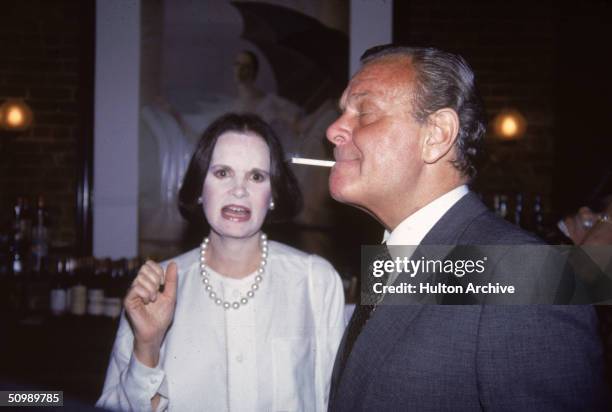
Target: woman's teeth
column 236, row 213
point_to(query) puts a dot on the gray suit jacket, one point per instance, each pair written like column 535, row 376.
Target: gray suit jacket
column 478, row 357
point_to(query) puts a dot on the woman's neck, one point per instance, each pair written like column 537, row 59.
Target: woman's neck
column 233, row 258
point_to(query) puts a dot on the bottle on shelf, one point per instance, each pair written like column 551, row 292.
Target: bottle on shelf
column 16, row 294
column 112, row 292
column 58, row 297
column 22, row 226
column 17, row 258
column 95, row 286
column 69, row 281
column 19, row 242
column 503, row 207
column 39, row 235
column 37, row 289
column 538, row 216
column 78, row 289
column 518, row 211
column 17, row 263
column 496, row 202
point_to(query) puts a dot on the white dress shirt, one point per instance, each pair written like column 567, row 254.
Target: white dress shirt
column 413, row 229
column 276, row 353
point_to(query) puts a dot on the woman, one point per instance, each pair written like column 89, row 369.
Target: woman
column 241, row 323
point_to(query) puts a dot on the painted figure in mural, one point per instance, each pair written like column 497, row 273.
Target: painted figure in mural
column 283, row 116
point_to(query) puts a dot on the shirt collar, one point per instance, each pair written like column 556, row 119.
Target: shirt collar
column 413, row 229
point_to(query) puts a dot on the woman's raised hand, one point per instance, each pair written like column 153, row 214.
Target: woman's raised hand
column 150, row 311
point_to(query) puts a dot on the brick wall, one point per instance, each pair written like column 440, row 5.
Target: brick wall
column 42, row 60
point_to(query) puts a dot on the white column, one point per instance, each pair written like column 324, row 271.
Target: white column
column 116, row 120
column 371, row 24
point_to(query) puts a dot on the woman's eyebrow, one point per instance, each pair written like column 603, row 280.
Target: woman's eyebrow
column 256, row 169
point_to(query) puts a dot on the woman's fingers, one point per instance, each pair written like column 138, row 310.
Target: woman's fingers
column 154, row 270
column 151, row 286
column 149, row 278
column 138, row 291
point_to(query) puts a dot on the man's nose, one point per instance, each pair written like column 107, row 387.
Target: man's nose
column 338, row 132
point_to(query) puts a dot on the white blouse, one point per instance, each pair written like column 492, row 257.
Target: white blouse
column 276, row 353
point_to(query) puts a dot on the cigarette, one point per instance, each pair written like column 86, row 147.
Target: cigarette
column 312, row 162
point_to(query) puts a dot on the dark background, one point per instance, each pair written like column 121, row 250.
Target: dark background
column 551, row 61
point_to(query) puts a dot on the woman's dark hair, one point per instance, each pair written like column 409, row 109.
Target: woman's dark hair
column 285, row 190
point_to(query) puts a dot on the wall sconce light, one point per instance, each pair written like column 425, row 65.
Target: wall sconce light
column 509, row 125
column 15, row 116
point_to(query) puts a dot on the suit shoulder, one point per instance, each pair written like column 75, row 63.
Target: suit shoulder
column 490, row 229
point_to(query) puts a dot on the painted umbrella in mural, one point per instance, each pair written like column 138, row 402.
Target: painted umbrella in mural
column 309, row 59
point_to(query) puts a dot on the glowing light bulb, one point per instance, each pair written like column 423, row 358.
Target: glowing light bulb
column 509, row 126
column 15, row 117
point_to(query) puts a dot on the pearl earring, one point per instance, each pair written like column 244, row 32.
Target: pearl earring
column 271, row 204
column 200, row 200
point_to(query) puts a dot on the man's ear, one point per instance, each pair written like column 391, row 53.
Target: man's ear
column 440, row 134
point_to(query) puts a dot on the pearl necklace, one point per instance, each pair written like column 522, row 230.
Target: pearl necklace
column 254, row 287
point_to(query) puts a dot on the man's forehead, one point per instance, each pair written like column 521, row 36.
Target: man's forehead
column 352, row 96
column 387, row 77
column 362, row 85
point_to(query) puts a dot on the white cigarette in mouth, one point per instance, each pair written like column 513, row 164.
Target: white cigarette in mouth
column 312, row 162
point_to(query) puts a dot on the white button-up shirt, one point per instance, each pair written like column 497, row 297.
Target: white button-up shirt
column 275, row 353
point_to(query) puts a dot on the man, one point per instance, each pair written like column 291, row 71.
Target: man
column 406, row 145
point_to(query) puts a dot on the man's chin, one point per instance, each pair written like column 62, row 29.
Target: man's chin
column 341, row 193
column 335, row 190
column 338, row 197
column 340, row 187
